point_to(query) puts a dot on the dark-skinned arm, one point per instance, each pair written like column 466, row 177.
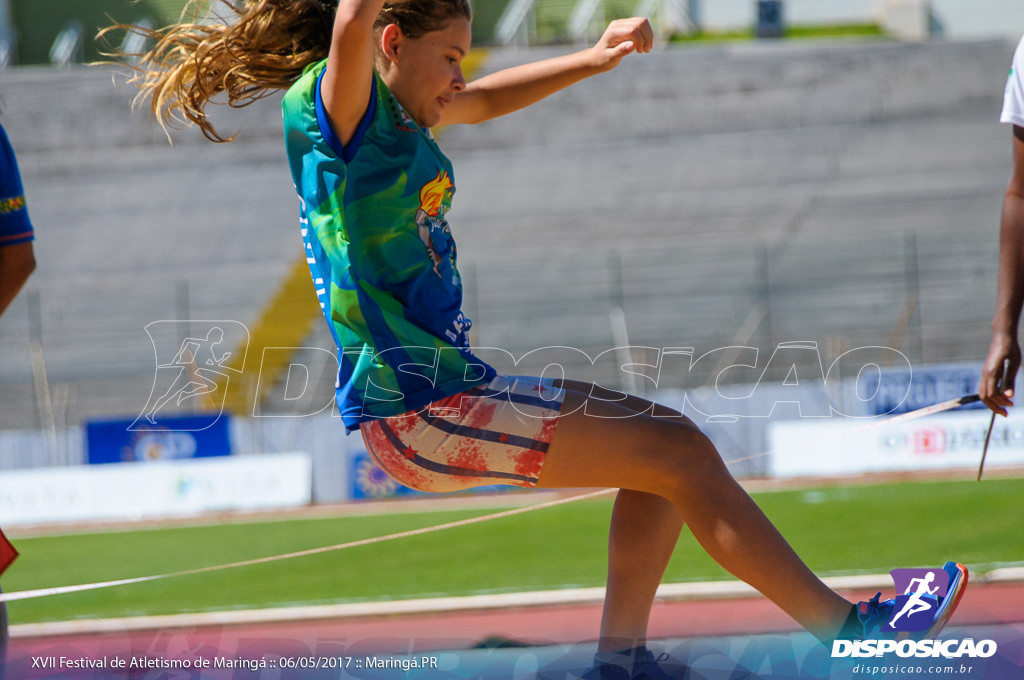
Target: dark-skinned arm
column 1010, row 292
column 17, row 263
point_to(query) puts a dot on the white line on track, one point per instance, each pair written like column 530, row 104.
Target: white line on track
column 709, row 590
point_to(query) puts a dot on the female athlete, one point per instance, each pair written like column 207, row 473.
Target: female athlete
column 366, row 80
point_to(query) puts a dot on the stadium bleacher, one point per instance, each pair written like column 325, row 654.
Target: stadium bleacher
column 693, row 187
column 788, row 174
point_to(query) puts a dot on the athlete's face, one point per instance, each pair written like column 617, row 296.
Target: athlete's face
column 425, row 73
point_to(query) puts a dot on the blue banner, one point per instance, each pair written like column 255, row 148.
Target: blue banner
column 124, row 441
column 897, row 392
column 369, row 481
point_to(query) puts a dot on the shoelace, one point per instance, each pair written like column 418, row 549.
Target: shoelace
column 649, row 660
column 875, row 609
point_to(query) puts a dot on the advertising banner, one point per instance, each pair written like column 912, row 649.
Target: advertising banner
column 892, row 392
column 160, row 489
column 126, row 441
column 851, row 446
column 370, row 482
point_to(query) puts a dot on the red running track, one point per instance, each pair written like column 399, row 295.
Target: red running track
column 983, row 604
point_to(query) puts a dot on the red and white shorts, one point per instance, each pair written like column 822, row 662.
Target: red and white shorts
column 497, row 433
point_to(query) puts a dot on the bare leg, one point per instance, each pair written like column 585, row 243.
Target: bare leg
column 598, row 444
column 643, row 534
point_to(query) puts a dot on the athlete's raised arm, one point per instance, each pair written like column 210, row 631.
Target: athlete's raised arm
column 349, row 75
column 520, row 86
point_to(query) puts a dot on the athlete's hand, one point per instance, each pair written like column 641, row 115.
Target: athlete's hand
column 620, row 38
column 1003, row 347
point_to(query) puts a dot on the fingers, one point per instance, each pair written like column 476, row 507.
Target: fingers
column 997, row 398
column 622, row 37
column 1007, row 386
column 622, row 49
column 643, row 36
column 999, row 372
column 990, row 394
column 998, row 403
column 636, row 30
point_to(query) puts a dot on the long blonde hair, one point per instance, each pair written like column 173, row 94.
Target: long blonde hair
column 265, row 47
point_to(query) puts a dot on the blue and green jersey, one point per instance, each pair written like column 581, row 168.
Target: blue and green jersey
column 381, row 253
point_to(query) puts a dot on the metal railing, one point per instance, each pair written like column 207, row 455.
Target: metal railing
column 68, row 355
column 68, row 47
column 582, row 19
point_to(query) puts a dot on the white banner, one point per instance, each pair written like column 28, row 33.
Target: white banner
column 802, row 448
column 126, row 491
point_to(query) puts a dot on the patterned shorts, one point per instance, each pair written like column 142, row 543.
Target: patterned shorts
column 497, row 433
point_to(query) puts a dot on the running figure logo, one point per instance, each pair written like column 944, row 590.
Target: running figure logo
column 922, row 589
column 196, row 371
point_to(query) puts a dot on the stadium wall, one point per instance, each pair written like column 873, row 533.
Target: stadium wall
column 795, row 427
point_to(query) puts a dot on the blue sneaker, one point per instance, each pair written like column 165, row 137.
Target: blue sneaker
column 607, row 670
column 648, row 667
column 638, row 663
column 876, row 614
column 947, row 605
column 873, row 615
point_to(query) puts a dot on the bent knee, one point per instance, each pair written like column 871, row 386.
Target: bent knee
column 695, row 461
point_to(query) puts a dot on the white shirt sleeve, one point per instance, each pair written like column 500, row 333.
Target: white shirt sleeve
column 1013, row 99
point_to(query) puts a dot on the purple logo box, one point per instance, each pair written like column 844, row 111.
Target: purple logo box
column 920, row 590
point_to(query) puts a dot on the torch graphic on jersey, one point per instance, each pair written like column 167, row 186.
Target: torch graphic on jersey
column 435, row 199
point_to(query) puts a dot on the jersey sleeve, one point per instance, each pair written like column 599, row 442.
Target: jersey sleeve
column 15, row 226
column 1013, row 98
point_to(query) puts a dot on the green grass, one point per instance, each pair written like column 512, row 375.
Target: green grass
column 795, row 32
column 854, row 529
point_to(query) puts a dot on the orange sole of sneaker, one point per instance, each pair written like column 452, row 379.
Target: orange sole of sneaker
column 951, row 601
